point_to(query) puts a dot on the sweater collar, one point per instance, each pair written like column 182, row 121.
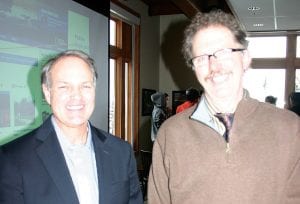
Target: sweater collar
column 203, row 114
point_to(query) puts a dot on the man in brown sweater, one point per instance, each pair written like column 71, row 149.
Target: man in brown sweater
column 196, row 159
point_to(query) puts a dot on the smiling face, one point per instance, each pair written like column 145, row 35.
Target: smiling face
column 221, row 79
column 72, row 92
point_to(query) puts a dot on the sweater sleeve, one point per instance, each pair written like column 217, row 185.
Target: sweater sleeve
column 158, row 189
column 293, row 182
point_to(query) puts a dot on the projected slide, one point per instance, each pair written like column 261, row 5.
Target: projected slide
column 31, row 32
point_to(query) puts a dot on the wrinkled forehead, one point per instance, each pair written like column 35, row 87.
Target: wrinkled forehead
column 213, row 38
column 67, row 60
column 69, row 68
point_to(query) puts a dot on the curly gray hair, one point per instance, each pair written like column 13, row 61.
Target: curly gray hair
column 204, row 20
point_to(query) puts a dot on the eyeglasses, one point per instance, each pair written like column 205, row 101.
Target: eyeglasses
column 220, row 55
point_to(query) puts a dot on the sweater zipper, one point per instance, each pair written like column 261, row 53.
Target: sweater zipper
column 227, row 147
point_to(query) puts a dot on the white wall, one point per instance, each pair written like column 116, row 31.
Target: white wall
column 170, row 43
column 149, row 62
column 161, row 64
column 174, row 75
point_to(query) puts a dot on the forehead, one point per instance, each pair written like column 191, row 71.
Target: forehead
column 70, row 65
column 213, row 38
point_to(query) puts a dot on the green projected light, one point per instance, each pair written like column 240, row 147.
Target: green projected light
column 32, row 32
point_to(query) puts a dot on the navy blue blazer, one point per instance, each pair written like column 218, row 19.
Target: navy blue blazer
column 33, row 170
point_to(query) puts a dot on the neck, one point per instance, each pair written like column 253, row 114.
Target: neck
column 224, row 105
column 75, row 135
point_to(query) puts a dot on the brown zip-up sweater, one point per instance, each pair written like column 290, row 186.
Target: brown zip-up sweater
column 191, row 165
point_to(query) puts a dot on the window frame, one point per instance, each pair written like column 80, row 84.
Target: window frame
column 126, row 51
column 290, row 63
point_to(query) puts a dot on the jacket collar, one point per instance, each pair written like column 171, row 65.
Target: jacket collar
column 52, row 157
column 51, row 154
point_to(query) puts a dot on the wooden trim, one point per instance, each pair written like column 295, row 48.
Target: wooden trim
column 114, row 52
column 127, row 41
column 267, row 63
column 118, row 88
column 129, row 103
column 136, row 116
column 297, row 63
column 290, row 65
column 187, row 6
column 118, row 3
column 163, row 8
column 123, row 53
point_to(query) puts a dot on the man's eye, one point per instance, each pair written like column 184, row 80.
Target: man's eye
column 87, row 86
column 62, row 87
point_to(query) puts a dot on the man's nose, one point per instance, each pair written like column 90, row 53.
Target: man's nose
column 213, row 63
column 75, row 92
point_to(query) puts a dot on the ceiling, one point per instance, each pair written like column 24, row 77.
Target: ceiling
column 255, row 15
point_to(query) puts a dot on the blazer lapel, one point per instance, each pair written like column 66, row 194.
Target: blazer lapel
column 52, row 156
column 102, row 155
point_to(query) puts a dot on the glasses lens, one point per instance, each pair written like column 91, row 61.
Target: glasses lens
column 200, row 60
column 223, row 54
column 220, row 56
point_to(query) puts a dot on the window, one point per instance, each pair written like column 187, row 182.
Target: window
column 267, row 47
column 264, row 82
column 123, row 74
column 112, row 32
column 112, row 79
column 273, row 66
column 298, row 47
column 297, row 83
column 297, row 64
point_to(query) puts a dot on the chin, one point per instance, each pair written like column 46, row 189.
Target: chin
column 222, row 92
column 78, row 124
column 77, row 120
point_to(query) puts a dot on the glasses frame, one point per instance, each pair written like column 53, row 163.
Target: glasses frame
column 214, row 54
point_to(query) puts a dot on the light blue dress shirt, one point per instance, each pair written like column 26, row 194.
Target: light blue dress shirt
column 81, row 162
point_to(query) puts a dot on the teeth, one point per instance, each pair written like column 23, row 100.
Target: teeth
column 78, row 107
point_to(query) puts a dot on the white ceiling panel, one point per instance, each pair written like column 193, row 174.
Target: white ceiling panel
column 267, row 15
column 287, row 7
column 288, row 23
column 242, row 7
column 258, row 24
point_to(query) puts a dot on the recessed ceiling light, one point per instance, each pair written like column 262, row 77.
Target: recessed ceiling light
column 254, row 8
column 258, row 25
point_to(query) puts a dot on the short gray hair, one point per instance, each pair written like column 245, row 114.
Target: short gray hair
column 45, row 75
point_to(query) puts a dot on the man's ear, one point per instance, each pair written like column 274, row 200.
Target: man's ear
column 246, row 60
column 47, row 94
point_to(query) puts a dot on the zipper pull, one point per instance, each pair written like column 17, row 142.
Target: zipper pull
column 227, row 147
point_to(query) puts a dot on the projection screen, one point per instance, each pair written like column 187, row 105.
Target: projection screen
column 31, row 32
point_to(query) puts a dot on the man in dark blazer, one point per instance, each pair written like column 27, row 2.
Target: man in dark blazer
column 40, row 167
